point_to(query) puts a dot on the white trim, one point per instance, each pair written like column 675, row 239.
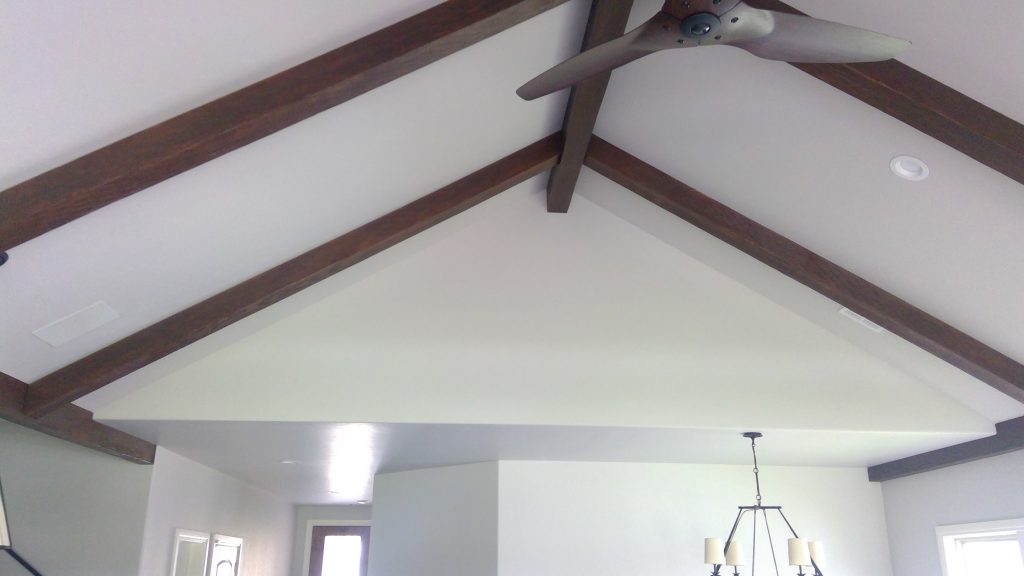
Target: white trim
column 309, row 536
column 947, row 536
column 182, row 534
column 232, row 541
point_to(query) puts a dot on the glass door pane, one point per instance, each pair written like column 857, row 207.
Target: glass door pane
column 339, row 550
column 343, row 556
column 985, row 558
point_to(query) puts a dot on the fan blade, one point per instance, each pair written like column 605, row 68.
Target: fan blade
column 791, row 38
column 658, row 33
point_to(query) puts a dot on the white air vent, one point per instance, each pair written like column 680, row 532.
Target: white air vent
column 862, row 320
column 76, row 324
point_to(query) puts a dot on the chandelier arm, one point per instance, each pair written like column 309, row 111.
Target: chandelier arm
column 732, row 533
column 771, row 545
column 817, row 571
column 753, row 547
column 795, row 535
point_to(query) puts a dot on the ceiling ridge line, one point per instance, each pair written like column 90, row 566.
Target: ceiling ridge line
column 810, row 269
column 607, row 21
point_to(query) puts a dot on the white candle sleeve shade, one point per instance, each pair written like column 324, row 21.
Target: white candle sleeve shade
column 799, row 554
column 714, row 551
column 817, row 549
column 734, row 556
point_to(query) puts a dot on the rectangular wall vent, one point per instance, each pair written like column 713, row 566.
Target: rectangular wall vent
column 60, row 332
column 862, row 320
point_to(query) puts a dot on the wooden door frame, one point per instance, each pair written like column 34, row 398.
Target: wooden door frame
column 319, row 534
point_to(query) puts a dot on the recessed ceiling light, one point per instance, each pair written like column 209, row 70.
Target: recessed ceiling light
column 289, row 461
column 909, row 168
column 362, row 501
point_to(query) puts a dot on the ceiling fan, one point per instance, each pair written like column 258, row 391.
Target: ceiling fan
column 694, row 23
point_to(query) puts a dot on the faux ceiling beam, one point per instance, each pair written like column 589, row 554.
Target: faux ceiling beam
column 607, row 21
column 57, row 390
column 926, row 104
column 63, row 194
column 72, row 424
column 799, row 263
column 1009, row 437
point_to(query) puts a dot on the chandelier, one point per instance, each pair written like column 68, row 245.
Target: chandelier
column 802, row 553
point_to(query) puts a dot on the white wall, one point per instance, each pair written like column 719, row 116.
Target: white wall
column 308, row 516
column 436, row 522
column 990, row 489
column 614, row 519
column 185, row 494
column 72, row 511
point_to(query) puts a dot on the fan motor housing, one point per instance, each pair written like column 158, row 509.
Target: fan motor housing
column 700, row 25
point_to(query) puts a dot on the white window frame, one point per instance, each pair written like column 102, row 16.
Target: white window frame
column 183, row 535
column 230, row 541
column 951, row 538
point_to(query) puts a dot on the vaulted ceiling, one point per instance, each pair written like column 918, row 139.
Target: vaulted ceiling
column 464, row 327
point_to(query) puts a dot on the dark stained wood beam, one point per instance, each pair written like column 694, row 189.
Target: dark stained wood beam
column 200, row 135
column 607, row 21
column 175, row 332
column 73, row 424
column 1009, row 437
column 799, row 263
column 926, row 104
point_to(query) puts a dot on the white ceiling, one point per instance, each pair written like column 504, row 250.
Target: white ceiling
column 512, row 315
column 972, row 48
column 319, row 463
column 197, row 234
column 577, row 310
column 811, row 163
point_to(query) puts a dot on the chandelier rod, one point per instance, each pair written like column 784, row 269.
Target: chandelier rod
column 771, row 545
column 753, row 450
column 753, row 545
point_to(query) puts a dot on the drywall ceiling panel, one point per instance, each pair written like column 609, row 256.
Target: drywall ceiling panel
column 812, row 163
column 192, row 236
column 515, row 316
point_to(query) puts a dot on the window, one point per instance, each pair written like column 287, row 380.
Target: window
column 984, row 548
column 226, row 555
column 339, row 550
